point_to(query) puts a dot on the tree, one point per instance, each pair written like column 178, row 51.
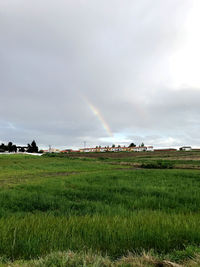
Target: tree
column 29, row 149
column 132, row 145
column 142, row 145
column 3, row 147
column 33, row 148
column 113, row 145
column 21, row 149
column 10, row 147
column 14, row 148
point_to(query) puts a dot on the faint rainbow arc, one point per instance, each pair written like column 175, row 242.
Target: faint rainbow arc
column 97, row 113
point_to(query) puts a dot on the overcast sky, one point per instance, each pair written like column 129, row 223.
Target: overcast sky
column 104, row 72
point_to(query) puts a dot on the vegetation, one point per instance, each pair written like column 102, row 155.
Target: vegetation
column 53, row 205
column 158, row 164
column 32, row 148
column 132, row 145
column 80, row 259
column 10, row 147
column 177, row 159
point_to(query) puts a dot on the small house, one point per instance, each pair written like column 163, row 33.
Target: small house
column 185, row 148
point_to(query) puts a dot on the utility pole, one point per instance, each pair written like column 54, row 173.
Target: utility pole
column 84, row 144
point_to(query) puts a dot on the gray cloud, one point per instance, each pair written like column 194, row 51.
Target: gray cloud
column 54, row 54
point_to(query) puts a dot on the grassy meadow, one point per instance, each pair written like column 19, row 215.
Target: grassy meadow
column 99, row 209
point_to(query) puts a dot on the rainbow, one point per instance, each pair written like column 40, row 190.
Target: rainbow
column 98, row 114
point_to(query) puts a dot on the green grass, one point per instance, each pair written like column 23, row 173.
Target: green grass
column 17, row 168
column 58, row 204
column 38, row 234
column 151, row 160
column 189, row 159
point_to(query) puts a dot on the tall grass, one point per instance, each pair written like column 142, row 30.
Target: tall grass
column 113, row 192
column 99, row 208
column 39, row 234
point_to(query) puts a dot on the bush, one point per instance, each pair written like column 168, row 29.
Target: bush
column 159, row 164
column 102, row 158
column 51, row 155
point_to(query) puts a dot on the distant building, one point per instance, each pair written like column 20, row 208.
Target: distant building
column 86, row 150
column 150, row 148
column 54, row 150
column 141, row 148
column 138, row 148
column 102, row 149
column 185, row 148
column 117, row 149
column 66, row 151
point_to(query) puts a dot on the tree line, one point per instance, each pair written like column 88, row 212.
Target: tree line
column 10, row 147
column 131, row 145
column 134, row 145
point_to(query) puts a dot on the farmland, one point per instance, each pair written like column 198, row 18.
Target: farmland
column 100, row 207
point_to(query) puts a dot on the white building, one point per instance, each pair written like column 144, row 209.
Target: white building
column 185, row 148
column 150, row 148
column 53, row 150
column 142, row 148
column 118, row 149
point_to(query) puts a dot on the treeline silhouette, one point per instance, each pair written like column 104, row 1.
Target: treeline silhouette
column 10, row 147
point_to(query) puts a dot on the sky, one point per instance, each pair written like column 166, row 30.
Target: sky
column 101, row 72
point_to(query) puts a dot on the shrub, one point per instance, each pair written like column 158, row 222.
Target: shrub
column 159, row 164
column 102, row 158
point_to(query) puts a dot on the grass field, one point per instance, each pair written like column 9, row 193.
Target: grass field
column 100, row 208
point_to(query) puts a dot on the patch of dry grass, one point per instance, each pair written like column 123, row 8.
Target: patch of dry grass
column 72, row 259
